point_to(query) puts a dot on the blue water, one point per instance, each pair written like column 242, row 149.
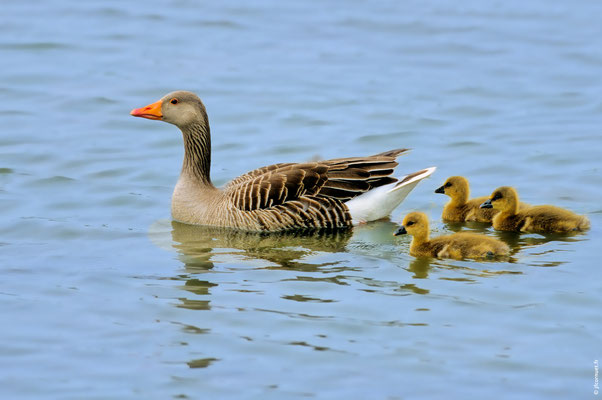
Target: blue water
column 103, row 297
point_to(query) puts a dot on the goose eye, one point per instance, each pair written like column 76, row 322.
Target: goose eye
column 174, row 101
column 497, row 196
column 448, row 184
column 410, row 223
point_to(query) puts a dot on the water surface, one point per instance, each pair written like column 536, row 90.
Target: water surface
column 103, row 296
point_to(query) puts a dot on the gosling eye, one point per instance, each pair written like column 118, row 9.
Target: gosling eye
column 496, row 196
column 448, row 184
column 174, row 101
column 410, row 223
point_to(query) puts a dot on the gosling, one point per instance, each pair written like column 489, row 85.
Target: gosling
column 542, row 219
column 458, row 245
column 460, row 208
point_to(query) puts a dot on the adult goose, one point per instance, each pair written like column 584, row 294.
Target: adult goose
column 323, row 194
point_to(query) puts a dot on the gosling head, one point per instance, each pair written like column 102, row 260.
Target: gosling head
column 415, row 224
column 503, row 198
column 455, row 187
column 180, row 108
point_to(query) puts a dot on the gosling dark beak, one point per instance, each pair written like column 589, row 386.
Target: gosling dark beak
column 486, row 204
column 400, row 231
column 440, row 190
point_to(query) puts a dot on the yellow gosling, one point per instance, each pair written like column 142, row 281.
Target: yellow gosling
column 460, row 208
column 542, row 219
column 458, row 245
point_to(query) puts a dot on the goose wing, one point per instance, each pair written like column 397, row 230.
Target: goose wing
column 276, row 185
column 350, row 177
column 339, row 179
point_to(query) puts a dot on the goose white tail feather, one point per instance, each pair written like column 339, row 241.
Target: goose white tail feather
column 380, row 202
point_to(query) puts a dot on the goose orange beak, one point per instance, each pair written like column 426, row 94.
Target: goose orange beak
column 152, row 111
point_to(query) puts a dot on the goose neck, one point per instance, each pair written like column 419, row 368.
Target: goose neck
column 197, row 152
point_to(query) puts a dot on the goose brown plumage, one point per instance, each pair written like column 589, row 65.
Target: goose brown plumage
column 461, row 208
column 543, row 219
column 458, row 245
column 321, row 194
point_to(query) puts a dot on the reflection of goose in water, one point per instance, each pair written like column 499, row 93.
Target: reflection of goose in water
column 197, row 244
column 199, row 247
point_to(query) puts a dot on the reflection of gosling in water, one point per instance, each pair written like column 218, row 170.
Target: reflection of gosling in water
column 543, row 219
column 458, row 246
column 460, row 208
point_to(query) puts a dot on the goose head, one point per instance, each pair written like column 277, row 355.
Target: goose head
column 180, row 108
